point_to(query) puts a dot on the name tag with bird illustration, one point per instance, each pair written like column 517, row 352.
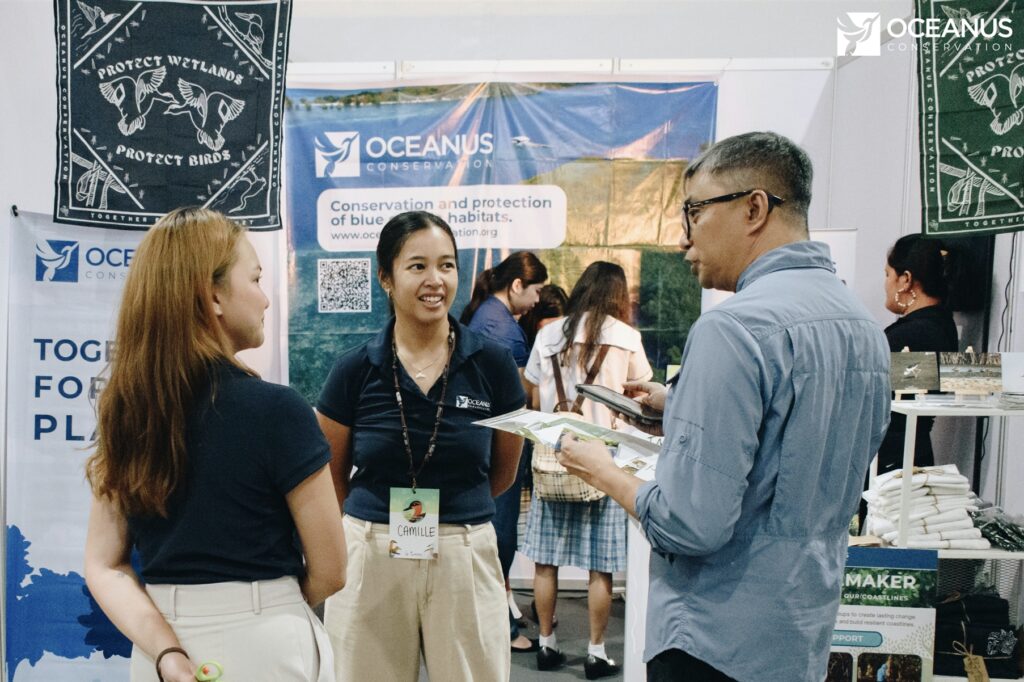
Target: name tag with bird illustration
column 413, row 523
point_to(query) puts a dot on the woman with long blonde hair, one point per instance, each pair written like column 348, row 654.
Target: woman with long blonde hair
column 217, row 479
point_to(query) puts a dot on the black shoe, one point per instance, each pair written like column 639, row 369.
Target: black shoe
column 534, row 646
column 536, row 619
column 549, row 659
column 595, row 667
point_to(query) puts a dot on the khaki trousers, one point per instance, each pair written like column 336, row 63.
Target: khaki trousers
column 255, row 631
column 453, row 609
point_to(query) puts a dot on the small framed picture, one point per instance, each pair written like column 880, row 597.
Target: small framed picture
column 970, row 373
column 914, row 372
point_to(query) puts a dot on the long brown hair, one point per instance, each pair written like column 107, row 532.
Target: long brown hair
column 601, row 291
column 168, row 340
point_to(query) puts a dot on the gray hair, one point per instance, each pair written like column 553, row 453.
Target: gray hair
column 761, row 160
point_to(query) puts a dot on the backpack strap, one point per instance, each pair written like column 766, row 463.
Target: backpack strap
column 577, row 405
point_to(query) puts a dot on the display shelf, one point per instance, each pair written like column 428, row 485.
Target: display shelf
column 946, row 678
column 967, row 409
column 984, row 554
column 914, row 409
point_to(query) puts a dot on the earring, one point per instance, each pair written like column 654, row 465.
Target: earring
column 905, row 306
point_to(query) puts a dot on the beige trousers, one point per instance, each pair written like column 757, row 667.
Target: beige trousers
column 453, row 609
column 255, row 631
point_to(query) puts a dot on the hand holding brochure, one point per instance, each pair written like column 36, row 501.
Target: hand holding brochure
column 637, row 452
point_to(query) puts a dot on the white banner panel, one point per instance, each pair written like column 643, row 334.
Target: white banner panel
column 64, row 290
column 481, row 216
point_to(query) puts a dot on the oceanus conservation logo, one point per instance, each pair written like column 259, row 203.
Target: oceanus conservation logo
column 56, row 261
column 337, row 156
column 859, row 34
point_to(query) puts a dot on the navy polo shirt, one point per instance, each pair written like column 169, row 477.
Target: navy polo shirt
column 249, row 443
column 359, row 393
column 493, row 319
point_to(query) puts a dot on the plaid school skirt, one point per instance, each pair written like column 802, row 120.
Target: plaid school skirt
column 588, row 535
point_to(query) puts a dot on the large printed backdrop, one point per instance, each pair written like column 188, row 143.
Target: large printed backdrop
column 576, row 172
column 971, row 80
column 167, row 104
column 65, row 286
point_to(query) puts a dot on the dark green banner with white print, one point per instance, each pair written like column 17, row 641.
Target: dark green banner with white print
column 165, row 104
column 971, row 87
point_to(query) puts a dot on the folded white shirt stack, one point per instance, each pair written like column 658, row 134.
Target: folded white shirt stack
column 940, row 499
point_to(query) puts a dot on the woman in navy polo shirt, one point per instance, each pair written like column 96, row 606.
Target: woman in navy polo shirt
column 399, row 412
column 501, row 293
column 218, row 479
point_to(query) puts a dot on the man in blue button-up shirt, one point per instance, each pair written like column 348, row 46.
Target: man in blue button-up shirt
column 782, row 400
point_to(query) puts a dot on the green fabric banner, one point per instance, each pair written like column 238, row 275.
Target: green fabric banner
column 971, row 86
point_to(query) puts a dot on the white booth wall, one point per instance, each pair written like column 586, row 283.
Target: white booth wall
column 856, row 117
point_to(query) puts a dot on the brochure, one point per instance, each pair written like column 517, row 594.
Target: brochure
column 633, row 451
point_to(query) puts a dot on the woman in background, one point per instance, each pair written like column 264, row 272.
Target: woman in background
column 917, row 286
column 218, row 479
column 550, row 306
column 399, row 410
column 502, row 293
column 589, row 535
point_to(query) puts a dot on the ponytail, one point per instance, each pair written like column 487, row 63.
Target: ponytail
column 483, row 287
column 521, row 265
column 945, row 270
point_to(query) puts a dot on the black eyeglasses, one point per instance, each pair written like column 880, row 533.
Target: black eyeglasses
column 689, row 206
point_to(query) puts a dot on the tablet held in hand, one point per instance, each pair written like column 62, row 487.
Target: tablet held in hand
column 618, row 402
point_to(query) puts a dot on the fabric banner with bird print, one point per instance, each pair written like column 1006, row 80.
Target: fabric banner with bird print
column 971, row 106
column 168, row 104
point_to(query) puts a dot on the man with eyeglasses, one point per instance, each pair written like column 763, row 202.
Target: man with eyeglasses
column 781, row 401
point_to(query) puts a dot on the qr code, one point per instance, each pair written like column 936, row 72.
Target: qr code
column 343, row 285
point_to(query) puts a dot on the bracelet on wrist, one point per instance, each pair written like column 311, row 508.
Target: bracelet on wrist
column 160, row 657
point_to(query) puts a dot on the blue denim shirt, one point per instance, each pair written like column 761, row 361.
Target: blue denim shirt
column 781, row 402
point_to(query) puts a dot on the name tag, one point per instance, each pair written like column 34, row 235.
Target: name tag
column 413, row 523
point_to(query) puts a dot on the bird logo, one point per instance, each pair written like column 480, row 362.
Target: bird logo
column 253, row 34
column 1000, row 93
column 337, row 155
column 962, row 14
column 858, row 34
column 209, row 112
column 56, row 261
column 97, row 18
column 134, row 97
column 415, row 512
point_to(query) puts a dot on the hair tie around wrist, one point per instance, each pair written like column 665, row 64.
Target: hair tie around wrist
column 160, row 657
